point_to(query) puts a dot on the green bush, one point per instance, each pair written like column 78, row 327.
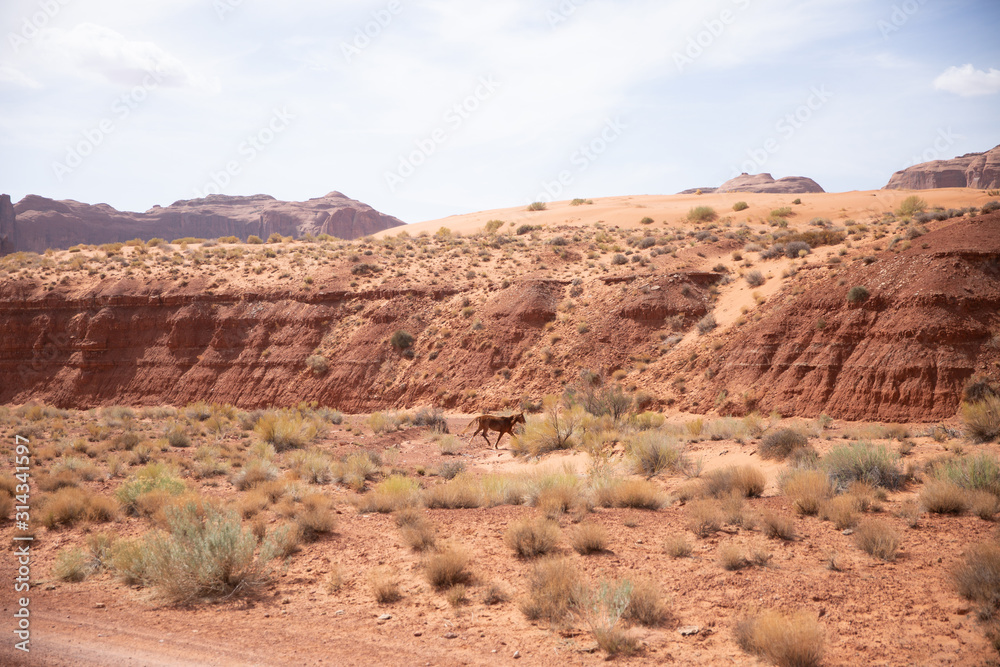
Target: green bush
column 741, row 206
column 537, row 206
column 153, row 477
column 862, row 461
column 653, row 452
column 206, row 553
column 979, row 472
column 702, row 214
column 858, row 294
column 911, row 206
column 401, row 340
column 781, row 443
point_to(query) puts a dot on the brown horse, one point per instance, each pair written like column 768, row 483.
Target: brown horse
column 486, row 423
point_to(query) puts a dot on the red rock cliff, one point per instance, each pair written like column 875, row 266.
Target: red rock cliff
column 973, row 170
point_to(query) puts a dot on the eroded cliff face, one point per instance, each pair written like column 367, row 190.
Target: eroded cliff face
column 7, row 216
column 904, row 354
column 973, row 170
column 45, row 223
column 129, row 342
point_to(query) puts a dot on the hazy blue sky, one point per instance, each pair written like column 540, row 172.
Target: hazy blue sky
column 425, row 109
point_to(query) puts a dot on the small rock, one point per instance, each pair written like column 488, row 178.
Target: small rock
column 50, row 587
column 848, row 531
column 417, row 633
column 517, row 654
column 450, row 635
column 688, row 630
column 99, row 605
column 339, row 612
column 385, row 617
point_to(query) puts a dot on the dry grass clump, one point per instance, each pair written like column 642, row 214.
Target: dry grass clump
column 979, row 472
column 530, row 538
column 602, row 607
column 384, row 583
column 356, row 469
column 255, row 472
column 653, row 452
column 647, row 605
column 447, row 568
column 983, row 504
column 556, row 494
column 841, row 510
column 877, row 538
column 634, row 493
column 982, row 418
column 746, row 480
column 808, row 489
column 778, row 526
column 417, row 532
column 862, row 461
column 286, row 429
column 556, row 429
column 391, row 494
column 786, row 639
column 589, row 538
column 462, row 492
column 71, row 565
column 677, row 546
column 553, row 591
column 70, row 505
column 944, row 497
column 781, row 443
column 316, row 516
column 313, row 466
column 978, row 577
column 731, row 557
column 704, row 516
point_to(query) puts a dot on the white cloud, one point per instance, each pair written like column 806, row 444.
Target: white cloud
column 98, row 50
column 10, row 75
column 968, row 81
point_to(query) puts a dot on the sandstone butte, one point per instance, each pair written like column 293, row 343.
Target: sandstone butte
column 972, row 170
column 763, row 183
column 35, row 223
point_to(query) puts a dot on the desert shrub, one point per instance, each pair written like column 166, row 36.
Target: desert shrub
column 433, row 418
column 316, row 516
column 462, row 492
column 741, row 206
column 808, row 489
column 754, row 278
column 944, row 497
column 448, row 567
column 384, row 584
column 537, row 206
column 877, row 538
column 555, row 429
column 602, row 607
column 732, row 558
column 71, row 565
column 779, row 444
column 862, row 461
column 704, row 517
column 589, row 538
column 417, row 532
column 749, row 481
column 978, row 577
column 451, row 469
column 781, row 212
column 553, row 591
column 255, row 472
column 858, row 294
column 529, row 538
column 153, row 477
column 206, row 553
column 911, row 206
column 677, row 546
column 980, row 472
column 991, row 206
column 634, row 493
column 391, row 494
column 313, row 466
column 652, row 452
column 778, row 526
column 706, row 324
column 177, row 436
column 815, row 237
column 983, row 504
column 841, row 510
column 794, row 249
column 786, row 639
column 618, row 259
column 982, row 419
column 317, row 363
column 401, row 340
column 702, row 214
column 286, row 429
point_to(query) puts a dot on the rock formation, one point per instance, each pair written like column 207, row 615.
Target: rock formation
column 763, row 183
column 972, row 170
column 42, row 223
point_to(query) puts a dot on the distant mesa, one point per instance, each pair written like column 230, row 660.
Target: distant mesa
column 972, row 170
column 36, row 223
column 763, row 183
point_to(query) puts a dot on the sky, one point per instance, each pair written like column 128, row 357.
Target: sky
column 429, row 109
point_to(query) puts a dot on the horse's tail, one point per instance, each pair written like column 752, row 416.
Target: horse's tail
column 475, row 420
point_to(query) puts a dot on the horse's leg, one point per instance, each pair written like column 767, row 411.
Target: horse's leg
column 486, row 436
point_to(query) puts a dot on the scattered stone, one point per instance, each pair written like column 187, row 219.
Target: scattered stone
column 99, row 605
column 339, row 612
column 517, row 654
column 689, row 630
column 848, row 531
column 417, row 633
column 50, row 587
column 385, row 617
column 450, row 635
